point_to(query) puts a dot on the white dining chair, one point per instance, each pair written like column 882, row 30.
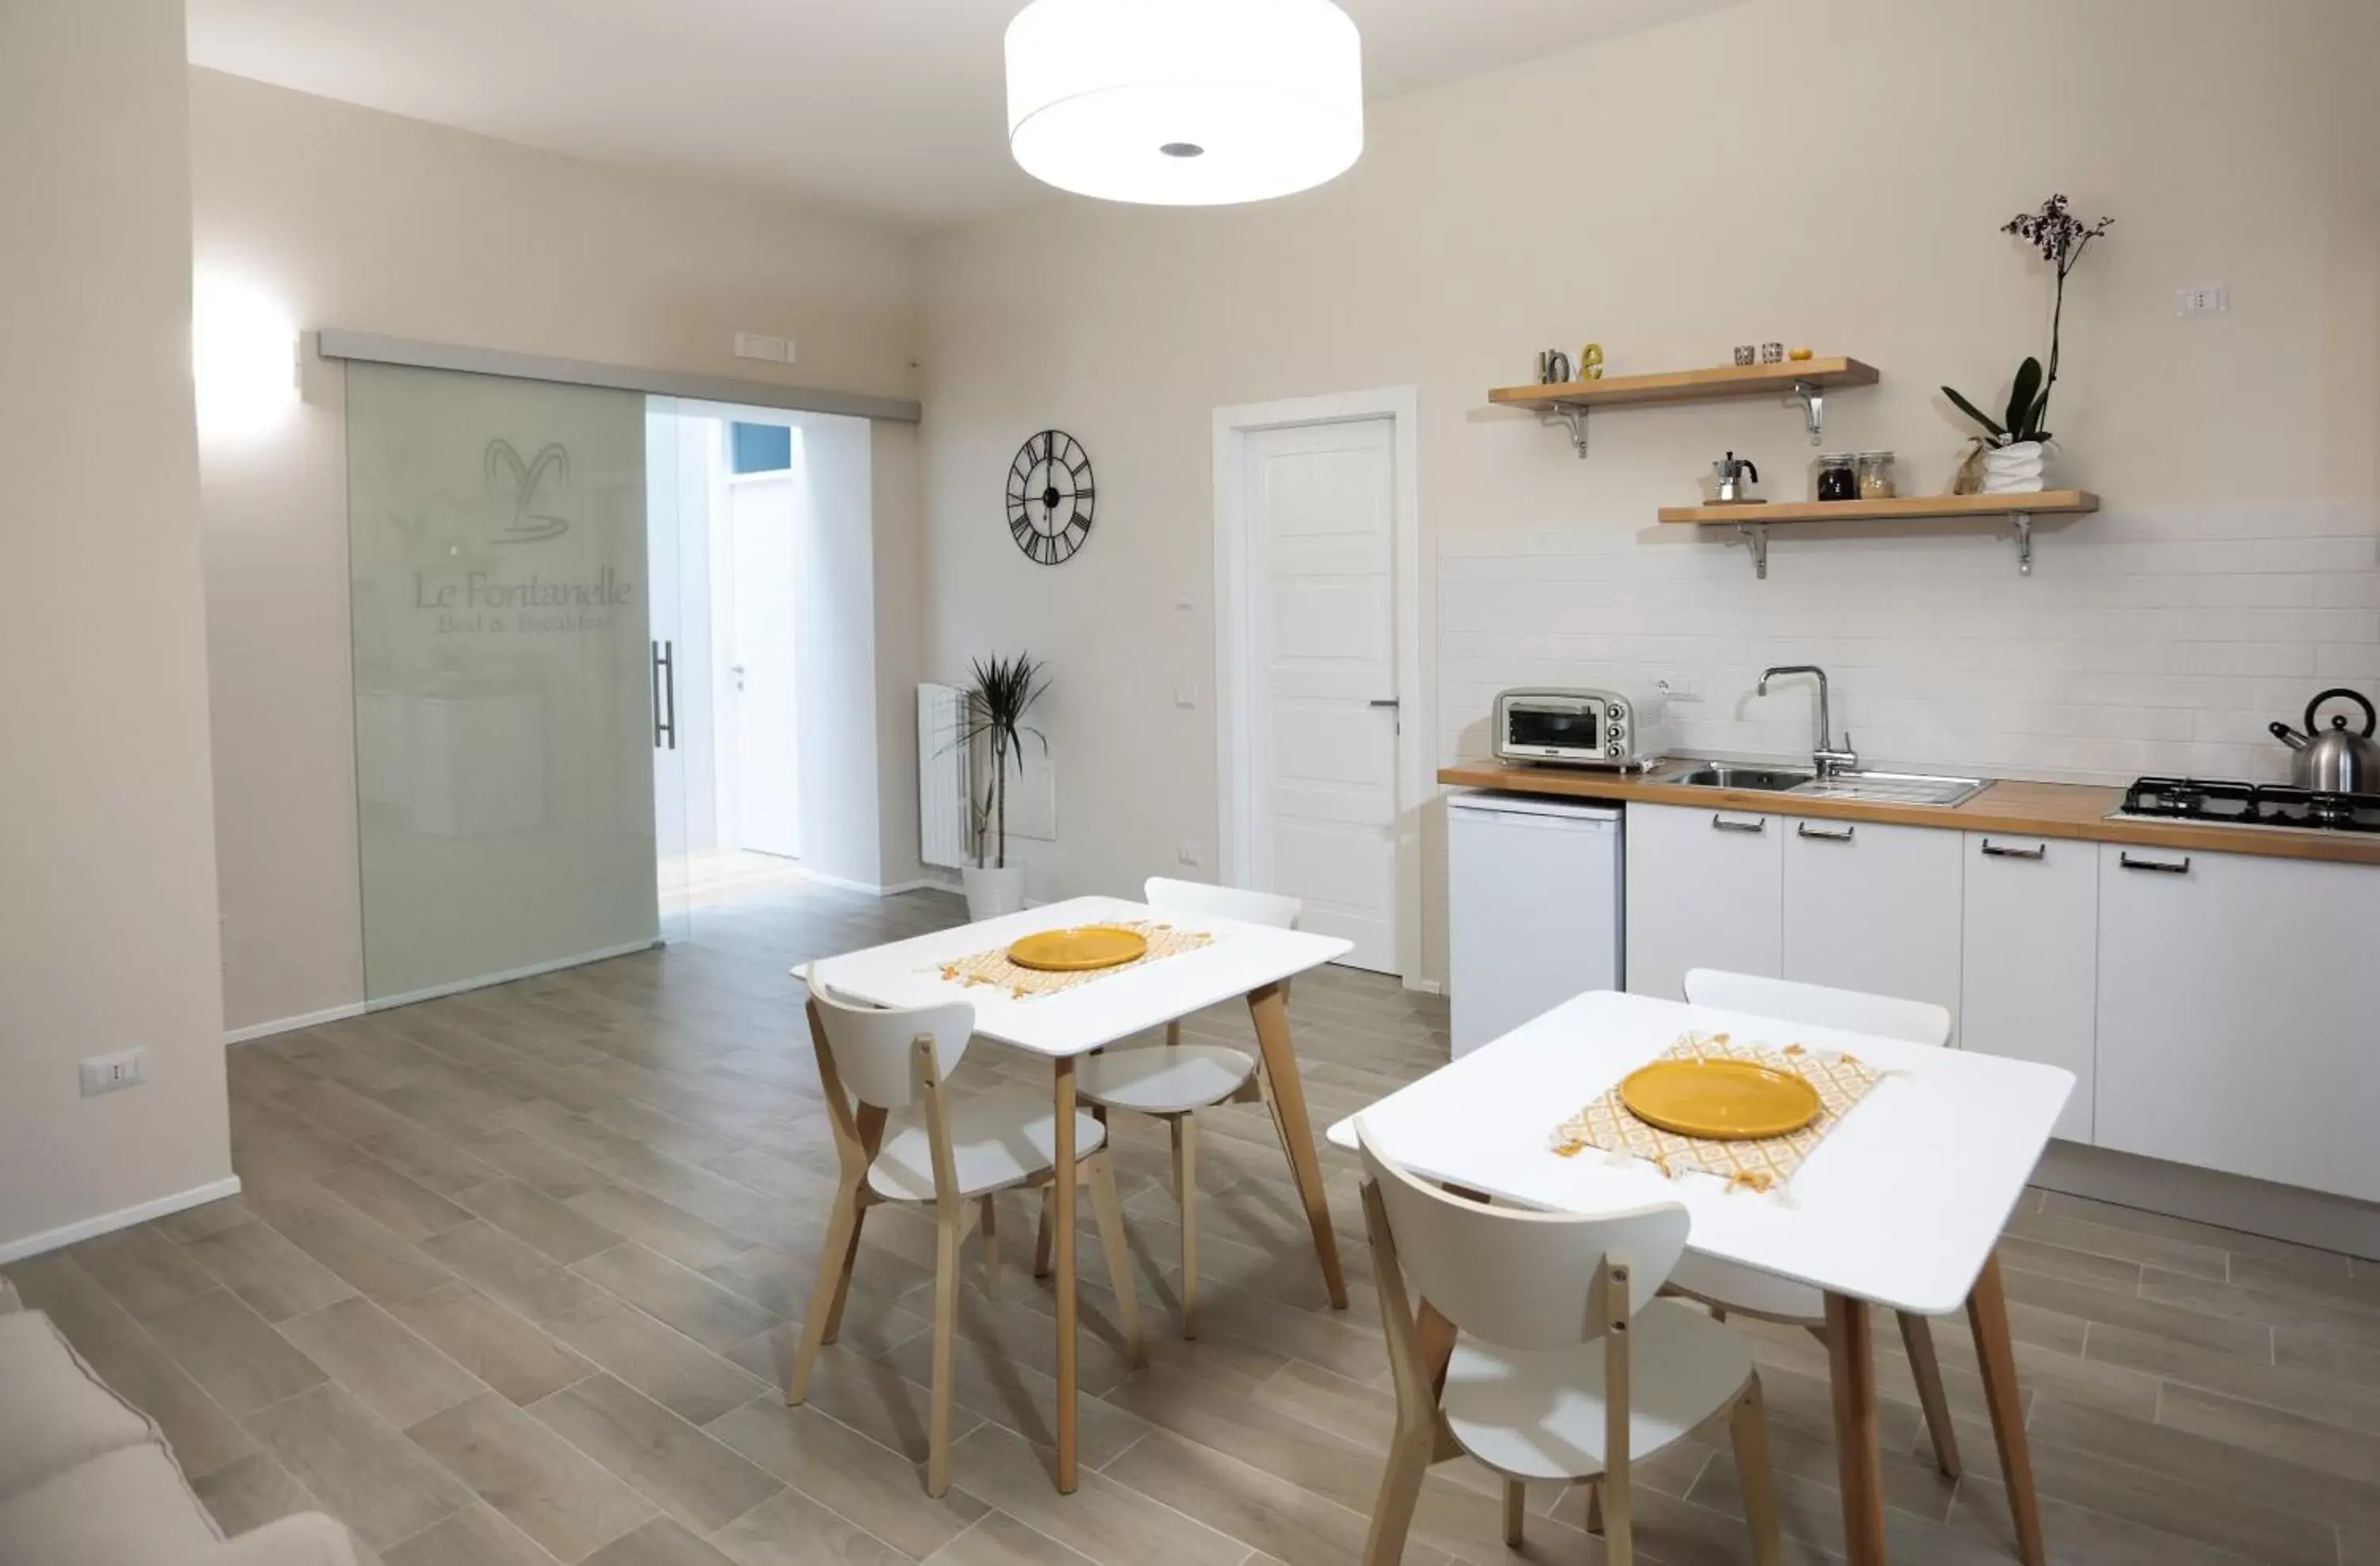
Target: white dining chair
column 1172, row 1081
column 1730, row 1289
column 900, row 1135
column 1538, row 1348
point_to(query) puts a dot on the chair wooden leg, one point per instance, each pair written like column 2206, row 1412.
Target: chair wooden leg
column 948, row 1240
column 1718, row 1313
column 1516, row 1507
column 1110, row 1213
column 1595, row 1506
column 1041, row 1239
column 1917, row 1337
column 824, row 1317
column 989, row 1224
column 1185, row 1190
column 1173, row 1034
column 1749, row 1427
column 1392, row 1511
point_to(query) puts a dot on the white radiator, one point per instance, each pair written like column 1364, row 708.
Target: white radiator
column 944, row 807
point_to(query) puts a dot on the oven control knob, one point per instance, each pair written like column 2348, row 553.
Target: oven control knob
column 1613, row 748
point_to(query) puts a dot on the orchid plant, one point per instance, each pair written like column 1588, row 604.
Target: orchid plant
column 2061, row 238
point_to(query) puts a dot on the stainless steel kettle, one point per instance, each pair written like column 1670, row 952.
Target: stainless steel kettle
column 2336, row 759
column 1736, row 474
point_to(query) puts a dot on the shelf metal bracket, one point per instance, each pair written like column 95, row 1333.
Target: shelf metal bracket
column 1756, row 536
column 1813, row 408
column 1574, row 417
column 2022, row 522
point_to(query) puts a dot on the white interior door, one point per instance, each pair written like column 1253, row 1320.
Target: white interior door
column 1322, row 663
column 761, row 674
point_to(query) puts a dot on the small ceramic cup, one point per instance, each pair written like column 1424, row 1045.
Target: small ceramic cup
column 1743, row 354
column 1772, row 353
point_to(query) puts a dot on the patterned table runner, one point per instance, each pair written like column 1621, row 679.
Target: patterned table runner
column 1023, row 984
column 1842, row 1081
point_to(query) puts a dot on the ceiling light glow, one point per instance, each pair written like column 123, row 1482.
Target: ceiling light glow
column 1185, row 103
column 244, row 359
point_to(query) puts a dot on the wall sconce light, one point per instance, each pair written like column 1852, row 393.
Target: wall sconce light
column 243, row 358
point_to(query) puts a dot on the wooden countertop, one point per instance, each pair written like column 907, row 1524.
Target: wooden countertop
column 2030, row 809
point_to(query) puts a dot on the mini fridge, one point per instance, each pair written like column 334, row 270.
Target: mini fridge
column 1533, row 908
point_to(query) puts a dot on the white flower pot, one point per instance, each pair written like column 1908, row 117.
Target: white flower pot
column 2013, row 469
column 992, row 891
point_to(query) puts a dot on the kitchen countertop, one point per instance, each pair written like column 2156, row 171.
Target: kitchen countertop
column 2031, row 809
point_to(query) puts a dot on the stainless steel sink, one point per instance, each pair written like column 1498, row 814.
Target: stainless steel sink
column 1893, row 788
column 1718, row 774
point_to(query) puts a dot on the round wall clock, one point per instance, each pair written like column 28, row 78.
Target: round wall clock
column 1049, row 497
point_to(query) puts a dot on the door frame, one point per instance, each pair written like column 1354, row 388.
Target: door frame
column 1234, row 566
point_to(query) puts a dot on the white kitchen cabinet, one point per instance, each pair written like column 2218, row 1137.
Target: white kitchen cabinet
column 2237, row 1020
column 1703, row 891
column 1873, row 908
column 2029, row 978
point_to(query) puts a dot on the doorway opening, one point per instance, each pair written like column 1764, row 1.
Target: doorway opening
column 747, row 675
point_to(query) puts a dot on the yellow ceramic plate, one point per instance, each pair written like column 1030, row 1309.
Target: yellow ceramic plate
column 1079, row 950
column 1725, row 1101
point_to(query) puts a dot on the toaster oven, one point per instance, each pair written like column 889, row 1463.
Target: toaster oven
column 1580, row 728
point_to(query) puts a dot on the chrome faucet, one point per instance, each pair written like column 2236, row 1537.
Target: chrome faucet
column 1824, row 756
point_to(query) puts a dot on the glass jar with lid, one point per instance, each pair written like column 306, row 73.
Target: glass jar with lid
column 1838, row 476
column 1876, row 477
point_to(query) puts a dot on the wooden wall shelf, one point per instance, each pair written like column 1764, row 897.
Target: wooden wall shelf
column 1568, row 402
column 2018, row 511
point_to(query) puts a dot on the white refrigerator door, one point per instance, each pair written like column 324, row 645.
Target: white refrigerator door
column 1533, row 913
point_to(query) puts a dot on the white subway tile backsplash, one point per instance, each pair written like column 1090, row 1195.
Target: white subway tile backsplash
column 2148, row 640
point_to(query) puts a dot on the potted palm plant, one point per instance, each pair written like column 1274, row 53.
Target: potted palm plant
column 1000, row 692
column 2010, row 451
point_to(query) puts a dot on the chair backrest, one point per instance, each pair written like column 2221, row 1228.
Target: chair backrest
column 1523, row 1279
column 1912, row 1021
column 874, row 1050
column 1223, row 902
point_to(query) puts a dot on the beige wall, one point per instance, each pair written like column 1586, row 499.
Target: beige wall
column 1828, row 171
column 107, row 938
column 356, row 219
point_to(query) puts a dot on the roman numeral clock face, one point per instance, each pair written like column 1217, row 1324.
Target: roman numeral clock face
column 1049, row 497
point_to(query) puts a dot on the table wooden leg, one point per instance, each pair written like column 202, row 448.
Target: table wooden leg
column 1270, row 1007
column 1987, row 1313
column 1062, row 1202
column 1853, row 1356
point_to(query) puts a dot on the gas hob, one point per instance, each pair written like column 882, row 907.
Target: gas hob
column 2268, row 806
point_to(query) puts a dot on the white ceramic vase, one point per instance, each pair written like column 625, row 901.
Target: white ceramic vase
column 2013, row 469
column 992, row 892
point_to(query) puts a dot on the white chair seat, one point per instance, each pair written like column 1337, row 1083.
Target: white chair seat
column 997, row 1139
column 1164, row 1079
column 1539, row 1414
column 1732, row 1286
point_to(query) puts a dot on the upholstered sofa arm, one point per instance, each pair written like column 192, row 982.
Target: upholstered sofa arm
column 306, row 1538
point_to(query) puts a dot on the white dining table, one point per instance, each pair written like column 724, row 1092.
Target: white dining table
column 1242, row 961
column 1900, row 1205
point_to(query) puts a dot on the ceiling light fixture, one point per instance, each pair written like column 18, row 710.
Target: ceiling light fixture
column 1185, row 103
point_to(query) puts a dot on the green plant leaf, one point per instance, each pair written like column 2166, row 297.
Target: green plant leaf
column 2021, row 397
column 1971, row 411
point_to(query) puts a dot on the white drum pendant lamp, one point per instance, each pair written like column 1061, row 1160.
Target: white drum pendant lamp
column 1185, row 103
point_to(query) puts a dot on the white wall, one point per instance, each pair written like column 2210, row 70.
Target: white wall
column 1653, row 194
column 107, row 932
column 356, row 219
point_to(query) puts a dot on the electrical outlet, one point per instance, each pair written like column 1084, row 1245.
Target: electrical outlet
column 2211, row 298
column 1679, row 688
column 1185, row 696
column 756, row 345
column 110, row 1074
column 1187, row 852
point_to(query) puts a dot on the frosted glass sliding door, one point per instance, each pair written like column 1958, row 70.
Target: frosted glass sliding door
column 511, row 698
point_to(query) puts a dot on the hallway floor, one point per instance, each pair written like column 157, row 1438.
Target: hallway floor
column 517, row 1278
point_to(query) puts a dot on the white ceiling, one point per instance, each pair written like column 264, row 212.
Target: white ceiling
column 892, row 106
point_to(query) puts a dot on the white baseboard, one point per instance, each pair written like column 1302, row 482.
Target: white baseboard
column 291, row 1025
column 1423, row 985
column 389, row 1002
column 2205, row 1195
column 869, row 889
column 124, row 1218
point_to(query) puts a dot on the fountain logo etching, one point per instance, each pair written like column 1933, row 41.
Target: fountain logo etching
column 481, row 602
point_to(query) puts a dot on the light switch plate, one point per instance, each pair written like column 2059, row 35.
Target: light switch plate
column 111, row 1073
column 2207, row 299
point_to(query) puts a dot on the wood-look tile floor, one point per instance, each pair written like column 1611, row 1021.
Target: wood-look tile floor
column 516, row 1275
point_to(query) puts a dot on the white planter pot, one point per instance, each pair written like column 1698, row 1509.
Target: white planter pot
column 2013, row 469
column 992, row 891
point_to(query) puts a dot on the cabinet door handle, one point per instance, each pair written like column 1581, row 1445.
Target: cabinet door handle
column 1721, row 823
column 2165, row 867
column 2002, row 851
column 1803, row 828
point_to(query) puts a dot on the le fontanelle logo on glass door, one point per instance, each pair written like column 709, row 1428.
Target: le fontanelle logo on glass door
column 530, row 497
